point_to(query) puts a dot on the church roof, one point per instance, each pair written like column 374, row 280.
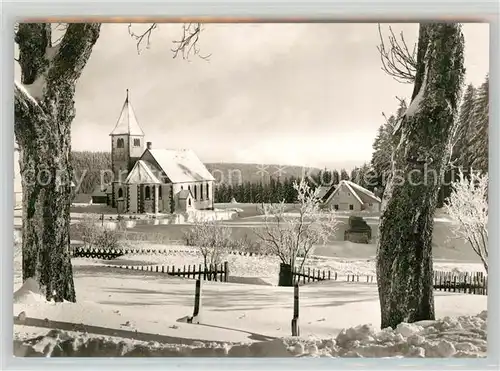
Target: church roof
column 127, row 123
column 141, row 173
column 181, row 165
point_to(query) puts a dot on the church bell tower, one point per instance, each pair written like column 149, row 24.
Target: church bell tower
column 127, row 146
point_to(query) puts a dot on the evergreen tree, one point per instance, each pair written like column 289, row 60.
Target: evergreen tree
column 344, row 175
column 478, row 143
column 462, row 154
column 335, row 177
column 383, row 147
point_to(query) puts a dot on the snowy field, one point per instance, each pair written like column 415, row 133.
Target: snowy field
column 152, row 308
column 133, row 312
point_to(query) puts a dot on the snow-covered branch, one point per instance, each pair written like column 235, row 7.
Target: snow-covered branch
column 467, row 206
column 293, row 235
column 211, row 239
column 25, row 106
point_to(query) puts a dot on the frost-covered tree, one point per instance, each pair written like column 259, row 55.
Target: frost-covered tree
column 404, row 248
column 291, row 236
column 479, row 139
column 211, row 238
column 344, row 175
column 461, row 155
column 51, row 63
column 467, row 206
column 383, row 147
column 44, row 109
column 362, row 175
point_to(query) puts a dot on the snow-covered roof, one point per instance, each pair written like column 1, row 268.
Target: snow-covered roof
column 127, row 123
column 181, row 165
column 141, row 173
column 322, row 191
column 361, row 194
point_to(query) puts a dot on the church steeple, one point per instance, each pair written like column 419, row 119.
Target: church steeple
column 127, row 146
column 127, row 122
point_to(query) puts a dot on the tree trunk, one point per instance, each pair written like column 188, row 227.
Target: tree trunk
column 404, row 251
column 44, row 110
column 46, row 181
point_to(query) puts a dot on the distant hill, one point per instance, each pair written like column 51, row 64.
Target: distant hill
column 236, row 173
column 92, row 163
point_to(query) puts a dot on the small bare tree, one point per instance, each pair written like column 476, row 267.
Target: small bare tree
column 291, row 236
column 211, row 238
column 467, row 206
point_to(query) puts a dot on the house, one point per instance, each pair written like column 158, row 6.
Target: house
column 349, row 196
column 150, row 180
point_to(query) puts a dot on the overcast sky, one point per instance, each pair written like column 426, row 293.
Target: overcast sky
column 291, row 94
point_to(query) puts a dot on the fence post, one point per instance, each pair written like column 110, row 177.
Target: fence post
column 295, row 319
column 197, row 304
column 226, row 271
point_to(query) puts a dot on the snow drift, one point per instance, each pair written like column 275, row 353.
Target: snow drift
column 464, row 336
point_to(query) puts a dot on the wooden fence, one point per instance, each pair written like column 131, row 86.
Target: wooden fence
column 308, row 275
column 109, row 254
column 95, row 253
column 214, row 272
column 463, row 282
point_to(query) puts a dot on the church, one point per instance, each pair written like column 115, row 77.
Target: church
column 151, row 180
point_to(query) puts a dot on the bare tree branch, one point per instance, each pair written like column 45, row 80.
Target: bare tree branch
column 143, row 38
column 397, row 60
column 187, row 45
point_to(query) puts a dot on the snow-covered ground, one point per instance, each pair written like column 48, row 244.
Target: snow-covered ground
column 121, row 311
column 130, row 309
column 344, row 258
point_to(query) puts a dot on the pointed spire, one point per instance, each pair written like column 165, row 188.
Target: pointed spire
column 127, row 123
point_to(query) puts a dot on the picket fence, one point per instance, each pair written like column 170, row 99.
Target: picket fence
column 109, row 254
column 463, row 282
column 213, row 272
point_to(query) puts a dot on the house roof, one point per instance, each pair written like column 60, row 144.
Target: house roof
column 142, row 173
column 127, row 122
column 180, row 165
column 360, row 193
column 322, row 191
column 184, row 194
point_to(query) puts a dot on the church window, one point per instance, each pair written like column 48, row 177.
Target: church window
column 208, row 191
column 160, row 191
column 120, row 143
column 182, row 187
column 137, row 142
column 120, row 193
column 195, row 192
column 189, row 202
column 147, row 193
